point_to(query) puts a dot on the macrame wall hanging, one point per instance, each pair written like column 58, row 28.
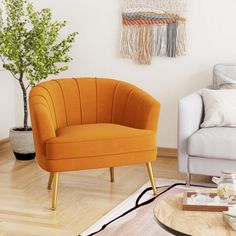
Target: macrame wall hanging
column 153, row 28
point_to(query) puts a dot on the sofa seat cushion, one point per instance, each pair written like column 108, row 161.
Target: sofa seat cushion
column 98, row 140
column 217, row 142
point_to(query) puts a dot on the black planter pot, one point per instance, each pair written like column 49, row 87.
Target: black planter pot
column 24, row 156
column 22, row 143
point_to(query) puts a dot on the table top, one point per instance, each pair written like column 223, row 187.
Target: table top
column 172, row 218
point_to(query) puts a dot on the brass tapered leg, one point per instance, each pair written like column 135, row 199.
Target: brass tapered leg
column 54, row 190
column 112, row 174
column 151, row 177
column 50, row 181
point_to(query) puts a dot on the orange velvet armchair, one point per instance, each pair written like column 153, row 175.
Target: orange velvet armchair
column 88, row 123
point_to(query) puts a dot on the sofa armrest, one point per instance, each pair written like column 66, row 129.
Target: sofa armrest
column 190, row 114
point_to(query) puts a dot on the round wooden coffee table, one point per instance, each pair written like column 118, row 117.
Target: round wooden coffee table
column 172, row 218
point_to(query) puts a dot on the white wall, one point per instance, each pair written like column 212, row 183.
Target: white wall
column 211, row 40
column 7, row 103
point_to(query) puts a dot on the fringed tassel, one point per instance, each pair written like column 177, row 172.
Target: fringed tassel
column 125, row 40
column 160, row 40
column 181, row 39
column 136, row 43
column 144, row 55
column 129, row 41
column 155, row 40
column 171, row 39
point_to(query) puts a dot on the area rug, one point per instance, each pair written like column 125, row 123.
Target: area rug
column 140, row 221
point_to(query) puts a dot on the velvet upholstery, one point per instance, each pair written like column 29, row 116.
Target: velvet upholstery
column 87, row 123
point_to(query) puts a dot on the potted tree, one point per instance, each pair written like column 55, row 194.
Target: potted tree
column 30, row 50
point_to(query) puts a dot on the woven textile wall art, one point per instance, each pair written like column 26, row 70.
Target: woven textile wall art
column 153, row 28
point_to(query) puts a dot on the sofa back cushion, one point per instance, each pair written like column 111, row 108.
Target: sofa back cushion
column 224, row 76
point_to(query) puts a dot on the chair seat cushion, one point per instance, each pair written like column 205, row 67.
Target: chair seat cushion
column 98, row 140
column 217, row 142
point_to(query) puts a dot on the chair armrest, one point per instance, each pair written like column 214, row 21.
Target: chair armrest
column 142, row 111
column 42, row 126
column 190, row 114
column 149, row 113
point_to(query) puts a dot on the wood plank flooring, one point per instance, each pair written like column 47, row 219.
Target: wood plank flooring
column 83, row 198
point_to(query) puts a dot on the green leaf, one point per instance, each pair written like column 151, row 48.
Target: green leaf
column 29, row 41
column 30, row 45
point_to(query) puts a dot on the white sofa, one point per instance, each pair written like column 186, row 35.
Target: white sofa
column 205, row 151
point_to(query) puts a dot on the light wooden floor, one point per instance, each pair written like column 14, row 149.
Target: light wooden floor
column 84, row 196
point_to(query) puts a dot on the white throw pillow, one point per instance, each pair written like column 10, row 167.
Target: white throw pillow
column 220, row 107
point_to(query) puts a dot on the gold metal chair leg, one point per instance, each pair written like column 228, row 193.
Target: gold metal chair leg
column 112, row 174
column 54, row 190
column 151, row 177
column 50, row 181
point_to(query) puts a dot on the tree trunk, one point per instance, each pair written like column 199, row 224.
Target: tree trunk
column 25, row 102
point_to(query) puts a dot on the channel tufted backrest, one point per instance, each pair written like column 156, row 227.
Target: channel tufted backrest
column 91, row 100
